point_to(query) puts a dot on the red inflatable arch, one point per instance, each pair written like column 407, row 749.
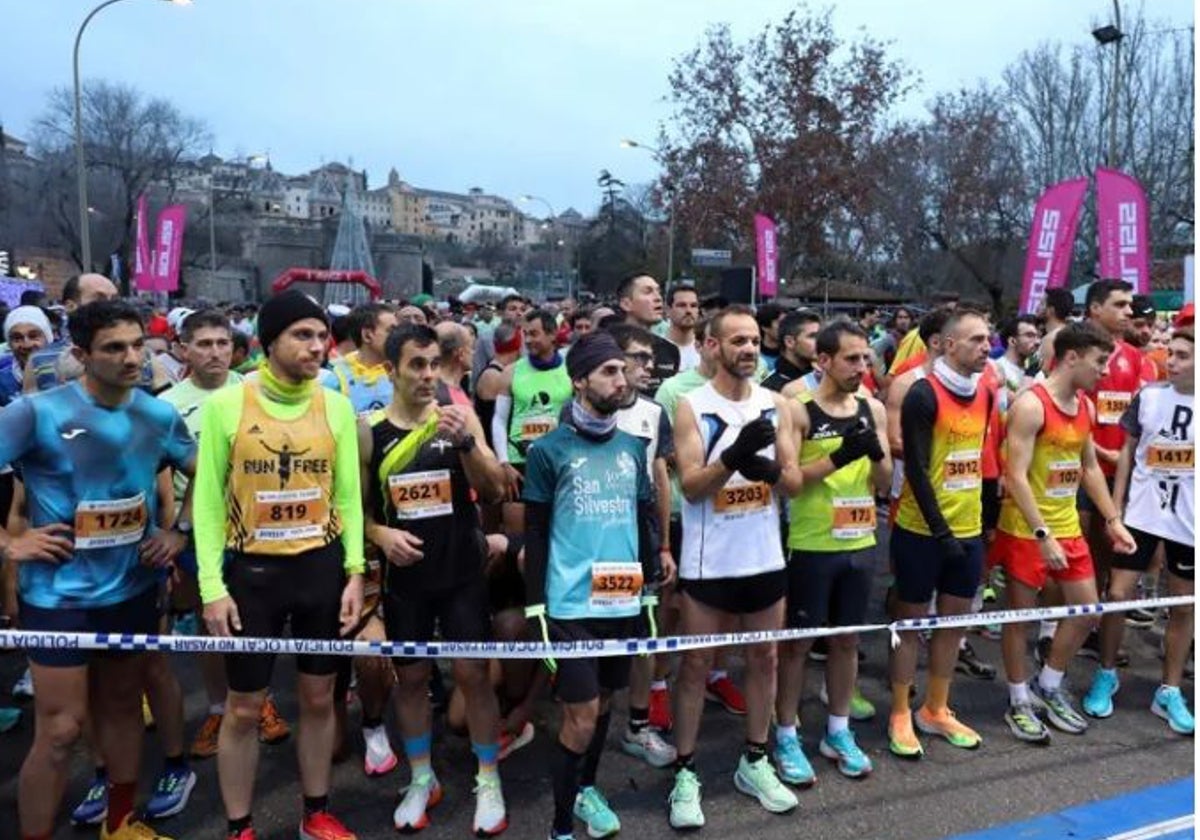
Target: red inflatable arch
column 324, row 275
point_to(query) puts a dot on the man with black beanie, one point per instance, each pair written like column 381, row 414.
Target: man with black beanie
column 279, row 536
column 587, row 495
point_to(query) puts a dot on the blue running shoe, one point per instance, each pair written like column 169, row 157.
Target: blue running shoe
column 1169, row 705
column 171, row 793
column 842, row 748
column 794, row 766
column 1098, row 701
column 94, row 807
column 591, row 808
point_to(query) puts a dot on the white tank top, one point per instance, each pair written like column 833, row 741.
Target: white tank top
column 1162, row 490
column 735, row 532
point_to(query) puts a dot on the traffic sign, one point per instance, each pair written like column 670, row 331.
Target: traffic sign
column 712, row 257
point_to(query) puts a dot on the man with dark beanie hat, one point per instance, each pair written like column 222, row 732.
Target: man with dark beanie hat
column 587, row 496
column 280, row 454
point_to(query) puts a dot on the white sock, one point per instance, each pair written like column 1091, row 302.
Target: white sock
column 782, row 732
column 1018, row 693
column 658, row 685
column 1046, row 630
column 977, row 601
column 713, row 676
column 837, row 723
column 216, row 709
column 1050, row 679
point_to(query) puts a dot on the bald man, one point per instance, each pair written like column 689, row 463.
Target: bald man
column 457, row 346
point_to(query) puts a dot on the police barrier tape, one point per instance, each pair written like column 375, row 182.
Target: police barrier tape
column 26, row 639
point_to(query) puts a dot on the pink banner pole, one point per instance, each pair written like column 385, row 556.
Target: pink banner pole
column 1123, row 219
column 1051, row 240
column 767, row 253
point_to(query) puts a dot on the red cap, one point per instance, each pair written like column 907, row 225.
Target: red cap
column 1186, row 316
column 158, row 327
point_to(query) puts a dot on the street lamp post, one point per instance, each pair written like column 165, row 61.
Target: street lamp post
column 85, row 234
column 553, row 232
column 657, row 153
column 1104, row 35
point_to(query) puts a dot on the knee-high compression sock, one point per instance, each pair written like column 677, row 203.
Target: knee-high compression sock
column 591, row 758
column 564, row 777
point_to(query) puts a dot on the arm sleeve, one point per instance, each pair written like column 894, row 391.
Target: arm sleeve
column 217, row 422
column 917, row 416
column 1130, row 420
column 500, row 427
column 18, row 427
column 666, row 441
column 347, row 481
column 537, row 551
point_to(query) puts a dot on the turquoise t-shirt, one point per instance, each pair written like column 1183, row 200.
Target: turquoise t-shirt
column 593, row 570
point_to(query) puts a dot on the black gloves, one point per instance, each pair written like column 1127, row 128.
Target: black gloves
column 859, row 442
column 754, row 436
column 758, row 468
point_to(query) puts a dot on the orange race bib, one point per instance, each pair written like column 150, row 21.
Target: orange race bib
column 853, row 518
column 1171, row 457
column 616, row 587
column 290, row 514
column 742, row 498
column 421, row 495
column 1062, row 479
column 1110, row 405
column 962, row 470
column 104, row 523
column 533, row 428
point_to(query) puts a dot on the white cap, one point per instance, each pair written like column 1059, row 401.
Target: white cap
column 177, row 316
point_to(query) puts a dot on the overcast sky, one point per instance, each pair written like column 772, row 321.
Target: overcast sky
column 514, row 96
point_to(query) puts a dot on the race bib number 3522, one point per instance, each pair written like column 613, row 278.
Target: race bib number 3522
column 616, row 587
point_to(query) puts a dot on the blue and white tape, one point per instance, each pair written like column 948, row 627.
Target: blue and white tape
column 38, row 639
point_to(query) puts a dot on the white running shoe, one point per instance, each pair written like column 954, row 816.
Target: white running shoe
column 379, row 759
column 412, row 814
column 24, row 686
column 490, row 815
column 649, row 746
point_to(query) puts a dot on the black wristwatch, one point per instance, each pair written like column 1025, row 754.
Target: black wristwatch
column 1041, row 534
column 466, row 444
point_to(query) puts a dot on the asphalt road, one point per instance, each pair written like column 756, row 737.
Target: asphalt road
column 948, row 792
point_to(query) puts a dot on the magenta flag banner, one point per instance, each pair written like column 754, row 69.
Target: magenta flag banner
column 1048, row 260
column 168, row 248
column 768, row 255
column 143, row 278
column 1123, row 217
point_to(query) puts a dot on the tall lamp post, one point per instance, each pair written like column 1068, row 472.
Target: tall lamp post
column 1104, row 35
column 85, row 233
column 553, row 231
column 657, row 154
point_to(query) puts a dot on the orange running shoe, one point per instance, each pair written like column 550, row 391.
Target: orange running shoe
column 322, row 825
column 272, row 728
column 722, row 690
column 902, row 741
column 946, row 724
column 205, row 744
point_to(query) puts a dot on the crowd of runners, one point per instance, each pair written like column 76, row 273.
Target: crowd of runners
column 559, row 473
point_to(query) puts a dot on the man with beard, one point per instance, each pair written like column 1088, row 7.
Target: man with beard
column 798, row 348
column 683, row 310
column 641, row 303
column 361, row 375
column 27, row 330
column 734, row 447
column 587, row 496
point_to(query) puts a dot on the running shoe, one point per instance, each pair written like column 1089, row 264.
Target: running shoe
column 758, row 779
column 510, row 743
column 1098, row 702
column 860, row 707
column 989, row 594
column 322, row 825
column 147, row 715
column 794, row 766
column 723, row 691
column 412, row 814
column 649, row 746
column 94, row 807
column 902, row 740
column 1025, row 725
column 971, row 665
column 591, row 808
column 554, row 835
column 171, row 793
column 842, row 748
column 378, row 758
column 947, row 725
column 9, row 717
column 1060, row 709
column 1168, row 704
column 24, row 686
column 684, row 800
column 491, row 818
column 819, row 652
column 131, row 828
column 272, row 728
column 1140, row 618
column 660, row 710
column 205, row 743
